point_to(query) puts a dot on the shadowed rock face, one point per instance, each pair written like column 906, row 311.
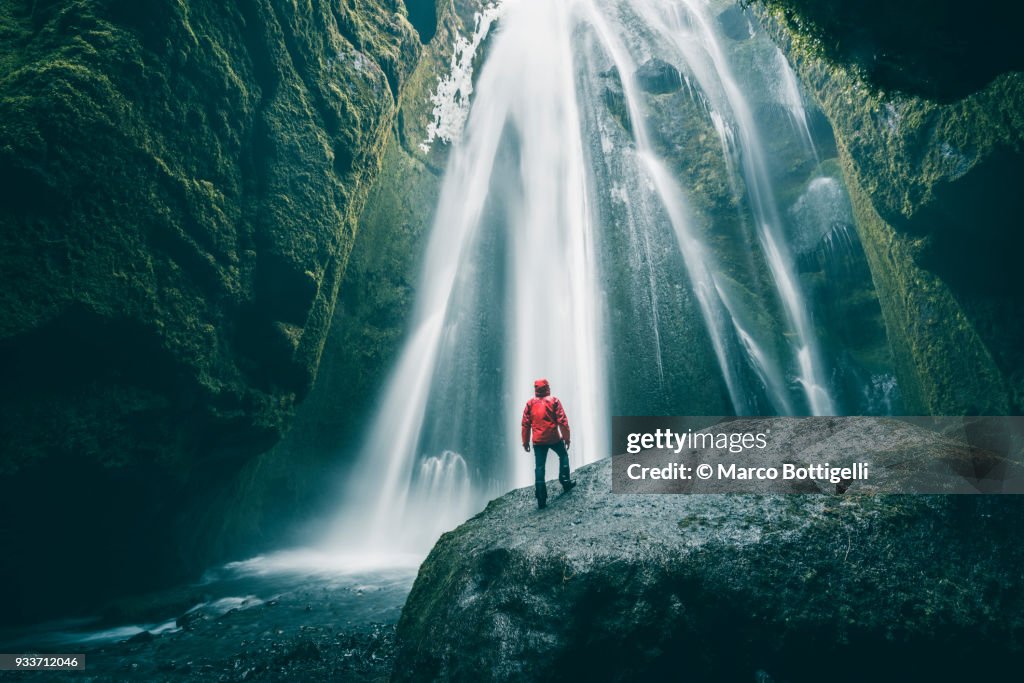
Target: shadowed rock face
column 941, row 49
column 601, row 586
column 179, row 189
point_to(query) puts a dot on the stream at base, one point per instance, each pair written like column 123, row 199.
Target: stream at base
column 314, row 616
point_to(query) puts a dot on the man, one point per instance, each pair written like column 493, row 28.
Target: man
column 546, row 420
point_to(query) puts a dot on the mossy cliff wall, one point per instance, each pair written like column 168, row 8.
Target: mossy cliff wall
column 180, row 183
column 934, row 180
column 279, row 492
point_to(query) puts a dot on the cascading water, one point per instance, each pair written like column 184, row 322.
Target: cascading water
column 686, row 27
column 510, row 289
column 794, row 101
column 563, row 228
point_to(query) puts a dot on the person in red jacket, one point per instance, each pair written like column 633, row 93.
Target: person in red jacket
column 545, row 421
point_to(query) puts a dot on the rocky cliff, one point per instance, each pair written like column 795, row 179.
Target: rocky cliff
column 179, row 190
column 847, row 587
column 938, row 50
column 932, row 159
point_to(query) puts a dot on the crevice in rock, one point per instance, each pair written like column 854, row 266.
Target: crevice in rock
column 423, row 17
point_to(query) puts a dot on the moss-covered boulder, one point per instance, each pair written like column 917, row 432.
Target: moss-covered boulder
column 934, row 187
column 616, row 587
column 179, row 190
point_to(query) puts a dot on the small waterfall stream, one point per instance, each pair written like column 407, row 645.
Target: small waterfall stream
column 560, row 176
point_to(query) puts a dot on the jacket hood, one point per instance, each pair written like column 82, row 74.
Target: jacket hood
column 541, row 388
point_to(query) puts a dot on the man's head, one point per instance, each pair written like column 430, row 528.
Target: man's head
column 541, row 388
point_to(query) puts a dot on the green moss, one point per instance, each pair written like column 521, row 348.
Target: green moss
column 198, row 170
column 942, row 364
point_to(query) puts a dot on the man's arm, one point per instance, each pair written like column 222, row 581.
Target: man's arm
column 563, row 422
column 527, row 423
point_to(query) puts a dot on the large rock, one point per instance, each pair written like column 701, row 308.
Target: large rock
column 601, row 586
column 179, row 189
column 658, row 76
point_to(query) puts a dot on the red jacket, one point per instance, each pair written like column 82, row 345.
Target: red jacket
column 545, row 417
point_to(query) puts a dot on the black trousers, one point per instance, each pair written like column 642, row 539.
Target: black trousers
column 540, row 456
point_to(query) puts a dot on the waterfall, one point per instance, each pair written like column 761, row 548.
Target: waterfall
column 510, row 291
column 547, row 173
column 685, row 28
column 791, row 97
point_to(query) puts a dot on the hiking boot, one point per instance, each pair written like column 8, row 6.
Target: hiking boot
column 542, row 495
column 563, row 479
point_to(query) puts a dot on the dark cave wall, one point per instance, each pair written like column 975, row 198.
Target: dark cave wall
column 179, row 190
column 942, row 51
column 934, row 180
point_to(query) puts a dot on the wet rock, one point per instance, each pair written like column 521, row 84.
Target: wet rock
column 734, row 23
column 305, row 650
column 189, row 620
column 722, row 587
column 658, row 76
column 143, row 637
column 615, row 99
column 930, row 49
